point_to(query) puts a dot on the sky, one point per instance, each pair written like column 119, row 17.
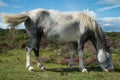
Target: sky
column 106, row 12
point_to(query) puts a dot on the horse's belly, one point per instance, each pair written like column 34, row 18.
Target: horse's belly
column 60, row 36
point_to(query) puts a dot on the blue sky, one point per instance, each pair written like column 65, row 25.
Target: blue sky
column 107, row 12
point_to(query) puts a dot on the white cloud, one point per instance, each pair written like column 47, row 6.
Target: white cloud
column 113, row 4
column 106, row 24
column 110, row 23
column 3, row 4
column 21, row 26
column 4, row 26
column 108, row 8
column 111, row 20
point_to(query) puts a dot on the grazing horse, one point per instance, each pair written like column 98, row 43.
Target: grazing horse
column 62, row 27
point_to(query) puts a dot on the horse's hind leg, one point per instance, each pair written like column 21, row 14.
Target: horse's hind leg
column 38, row 58
column 29, row 49
column 34, row 44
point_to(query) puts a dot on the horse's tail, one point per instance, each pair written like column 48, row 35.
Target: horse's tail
column 14, row 20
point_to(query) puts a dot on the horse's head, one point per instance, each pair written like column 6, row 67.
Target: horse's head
column 105, row 60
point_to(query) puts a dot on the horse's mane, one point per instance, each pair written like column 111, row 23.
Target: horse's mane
column 92, row 25
column 87, row 21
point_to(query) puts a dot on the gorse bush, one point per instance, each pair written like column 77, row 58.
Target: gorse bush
column 20, row 40
column 8, row 42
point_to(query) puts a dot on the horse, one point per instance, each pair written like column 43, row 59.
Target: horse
column 62, row 27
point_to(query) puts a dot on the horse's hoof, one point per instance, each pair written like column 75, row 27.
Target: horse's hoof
column 43, row 68
column 85, row 71
column 30, row 68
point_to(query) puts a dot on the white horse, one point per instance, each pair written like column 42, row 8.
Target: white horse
column 62, row 27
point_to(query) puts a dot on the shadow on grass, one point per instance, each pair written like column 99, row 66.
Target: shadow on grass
column 95, row 69
column 63, row 70
column 117, row 69
column 76, row 69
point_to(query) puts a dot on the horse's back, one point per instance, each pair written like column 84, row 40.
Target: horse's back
column 61, row 27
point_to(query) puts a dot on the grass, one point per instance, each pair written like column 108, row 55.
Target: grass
column 12, row 67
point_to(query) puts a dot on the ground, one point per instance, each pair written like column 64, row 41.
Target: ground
column 12, row 67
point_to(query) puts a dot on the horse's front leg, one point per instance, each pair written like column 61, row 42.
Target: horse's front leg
column 81, row 63
column 36, row 51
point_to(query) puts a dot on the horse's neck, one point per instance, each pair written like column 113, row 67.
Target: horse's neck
column 101, row 43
